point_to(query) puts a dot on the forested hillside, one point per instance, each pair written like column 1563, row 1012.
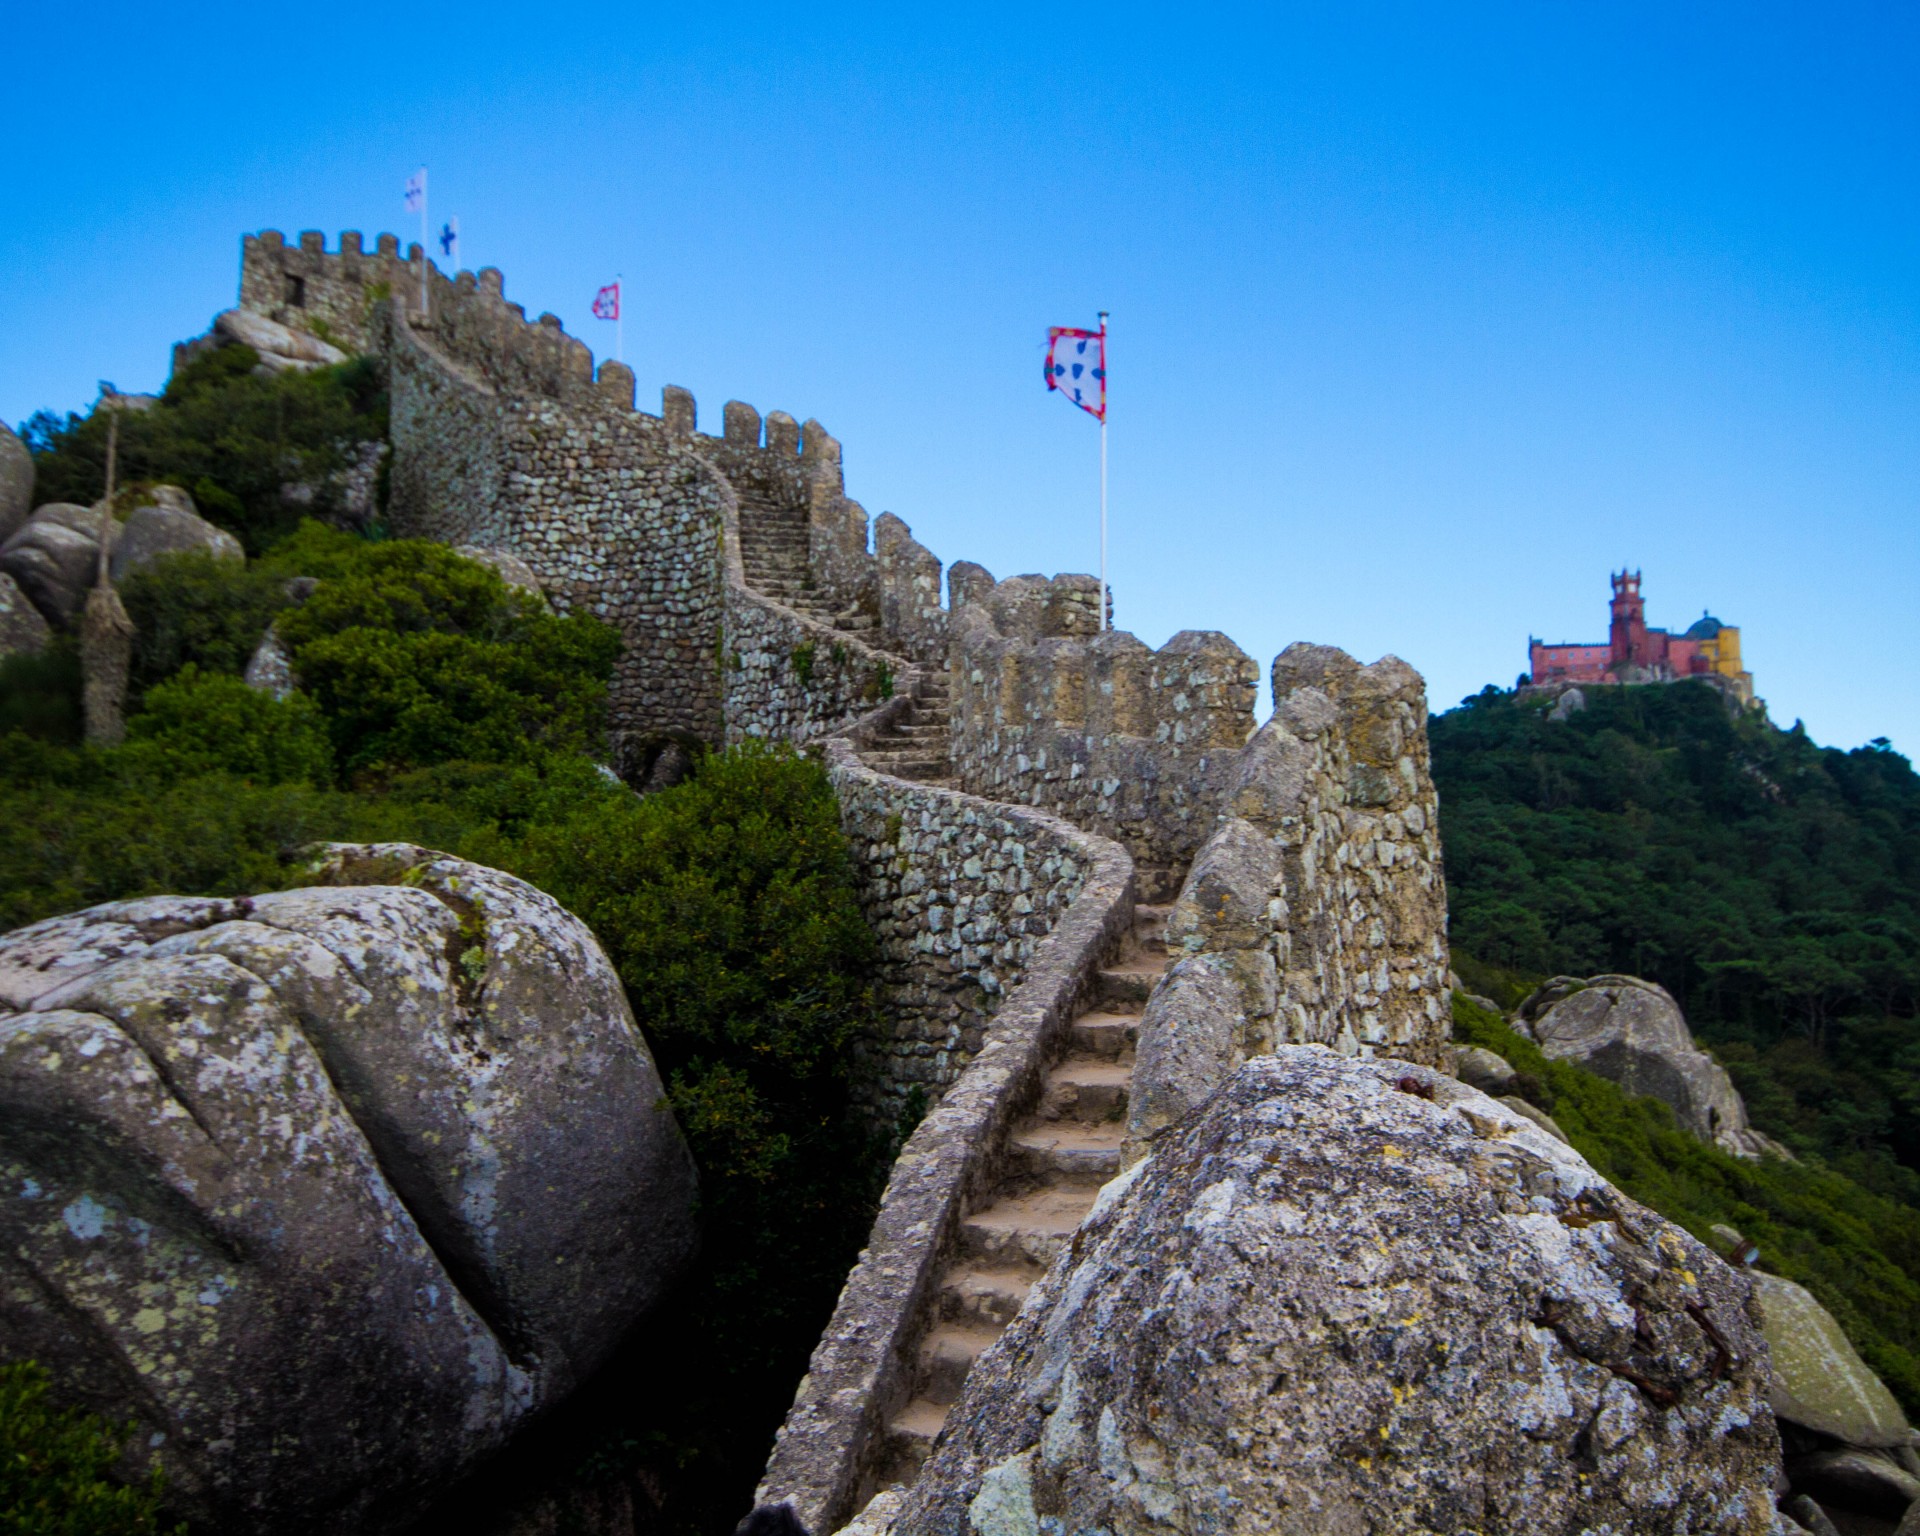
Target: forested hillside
column 1771, row 884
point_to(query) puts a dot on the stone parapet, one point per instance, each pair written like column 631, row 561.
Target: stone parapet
column 788, row 677
column 1037, row 906
column 1316, row 912
column 1135, row 744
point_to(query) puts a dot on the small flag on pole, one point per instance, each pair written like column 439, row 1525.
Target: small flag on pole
column 417, row 190
column 1077, row 367
column 450, row 241
column 606, row 303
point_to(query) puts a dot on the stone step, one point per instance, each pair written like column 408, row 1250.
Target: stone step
column 1111, row 1035
column 1087, row 1088
column 974, row 1296
column 907, row 1440
column 1125, row 987
column 1064, row 1152
column 947, row 1353
column 918, row 773
column 1027, row 1229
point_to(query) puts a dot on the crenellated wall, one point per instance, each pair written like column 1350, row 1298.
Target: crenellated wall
column 1133, row 743
column 1092, row 770
column 305, row 283
column 1316, row 913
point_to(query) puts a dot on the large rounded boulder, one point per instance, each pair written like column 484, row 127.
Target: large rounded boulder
column 327, row 1190
column 16, row 481
column 167, row 523
column 23, row 632
column 1633, row 1033
column 1356, row 1296
column 55, row 556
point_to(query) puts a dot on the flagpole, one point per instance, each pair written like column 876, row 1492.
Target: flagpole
column 1105, row 622
column 619, row 318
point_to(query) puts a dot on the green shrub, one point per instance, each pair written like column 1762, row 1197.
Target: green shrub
column 232, row 439
column 40, row 695
column 1857, row 1251
column 197, row 723
column 418, row 656
column 191, row 609
column 57, row 1466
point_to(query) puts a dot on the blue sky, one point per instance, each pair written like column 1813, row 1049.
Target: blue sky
column 1425, row 317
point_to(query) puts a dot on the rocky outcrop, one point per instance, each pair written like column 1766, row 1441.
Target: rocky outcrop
column 1354, row 1295
column 167, row 524
column 16, row 482
column 53, row 556
column 23, row 632
column 1819, row 1382
column 326, row 1190
column 270, row 667
column 281, row 348
column 1632, row 1032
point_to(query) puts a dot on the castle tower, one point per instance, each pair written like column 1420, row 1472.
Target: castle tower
column 1628, row 635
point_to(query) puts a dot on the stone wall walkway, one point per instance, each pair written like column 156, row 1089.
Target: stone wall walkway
column 1052, row 1169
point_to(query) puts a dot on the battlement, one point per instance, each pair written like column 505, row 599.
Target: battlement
column 332, row 294
column 1092, row 724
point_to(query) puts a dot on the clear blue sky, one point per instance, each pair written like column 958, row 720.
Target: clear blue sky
column 1425, row 317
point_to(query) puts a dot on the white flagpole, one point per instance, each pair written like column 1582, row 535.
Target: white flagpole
column 1104, row 621
column 619, row 319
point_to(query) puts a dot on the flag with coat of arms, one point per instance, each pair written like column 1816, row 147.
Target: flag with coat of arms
column 1077, row 367
column 606, row 303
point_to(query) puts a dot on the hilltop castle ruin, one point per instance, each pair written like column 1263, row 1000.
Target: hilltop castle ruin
column 1066, row 840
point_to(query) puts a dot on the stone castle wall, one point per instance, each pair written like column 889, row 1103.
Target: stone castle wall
column 1133, row 743
column 305, row 283
column 962, row 893
column 1316, row 913
column 614, row 517
column 1047, row 906
column 788, row 677
column 1091, row 769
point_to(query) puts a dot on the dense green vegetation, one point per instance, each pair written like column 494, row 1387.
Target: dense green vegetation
column 1859, row 1252
column 1772, row 885
column 57, row 1466
column 444, row 708
column 233, row 440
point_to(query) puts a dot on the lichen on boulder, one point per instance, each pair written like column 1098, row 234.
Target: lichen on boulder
column 327, row 1189
column 1354, row 1295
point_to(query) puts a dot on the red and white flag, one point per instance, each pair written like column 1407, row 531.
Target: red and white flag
column 606, row 303
column 1077, row 367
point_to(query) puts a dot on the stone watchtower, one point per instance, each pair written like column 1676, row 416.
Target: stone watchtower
column 1628, row 636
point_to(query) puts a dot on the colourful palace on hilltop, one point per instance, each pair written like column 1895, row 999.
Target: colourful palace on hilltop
column 1632, row 653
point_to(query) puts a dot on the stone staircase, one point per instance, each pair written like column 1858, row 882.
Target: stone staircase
column 1055, row 1163
column 917, row 748
column 773, row 550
